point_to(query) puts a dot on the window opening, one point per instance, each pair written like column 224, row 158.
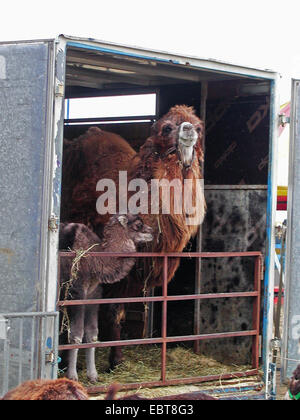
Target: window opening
column 106, row 109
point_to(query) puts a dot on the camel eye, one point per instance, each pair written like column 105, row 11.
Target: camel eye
column 138, row 225
column 167, row 129
column 198, row 129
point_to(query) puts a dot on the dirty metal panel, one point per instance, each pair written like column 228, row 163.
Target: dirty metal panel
column 235, row 221
column 291, row 349
column 23, row 110
column 237, row 140
column 21, row 356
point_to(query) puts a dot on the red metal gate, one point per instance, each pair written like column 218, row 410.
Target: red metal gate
column 164, row 339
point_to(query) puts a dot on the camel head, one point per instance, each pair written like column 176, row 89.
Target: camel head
column 132, row 226
column 179, row 130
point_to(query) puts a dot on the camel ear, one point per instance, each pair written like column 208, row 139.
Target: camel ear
column 123, row 220
column 154, row 129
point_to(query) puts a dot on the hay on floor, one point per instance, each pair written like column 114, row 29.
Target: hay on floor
column 142, row 364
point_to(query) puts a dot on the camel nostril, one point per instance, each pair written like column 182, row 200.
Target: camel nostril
column 187, row 127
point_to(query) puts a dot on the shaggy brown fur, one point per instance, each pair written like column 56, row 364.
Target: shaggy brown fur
column 98, row 155
column 294, row 384
column 94, row 155
column 121, row 234
column 102, row 270
column 40, row 389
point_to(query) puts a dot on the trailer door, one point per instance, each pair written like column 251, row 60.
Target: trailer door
column 290, row 349
column 29, row 175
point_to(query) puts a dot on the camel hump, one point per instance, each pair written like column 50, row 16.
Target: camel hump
column 94, row 131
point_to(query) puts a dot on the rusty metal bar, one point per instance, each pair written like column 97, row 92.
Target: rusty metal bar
column 159, row 340
column 164, row 321
column 256, row 312
column 58, row 280
column 164, row 340
column 166, row 254
column 157, row 298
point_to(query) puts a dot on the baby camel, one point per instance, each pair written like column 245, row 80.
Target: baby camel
column 121, row 234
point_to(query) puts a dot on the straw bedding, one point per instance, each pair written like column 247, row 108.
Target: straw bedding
column 142, row 364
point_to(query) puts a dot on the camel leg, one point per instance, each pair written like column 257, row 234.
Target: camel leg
column 91, row 336
column 91, row 333
column 115, row 313
column 76, row 315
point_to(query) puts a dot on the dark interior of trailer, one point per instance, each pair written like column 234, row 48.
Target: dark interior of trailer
column 236, row 113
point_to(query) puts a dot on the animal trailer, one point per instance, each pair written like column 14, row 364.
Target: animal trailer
column 39, row 82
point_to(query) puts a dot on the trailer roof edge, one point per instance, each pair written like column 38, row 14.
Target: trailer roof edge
column 178, row 58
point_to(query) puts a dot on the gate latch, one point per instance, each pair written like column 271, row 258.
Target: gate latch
column 275, row 344
column 50, row 357
column 283, row 120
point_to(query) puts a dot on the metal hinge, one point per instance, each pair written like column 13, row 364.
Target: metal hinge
column 53, row 223
column 59, row 89
column 283, row 120
column 275, row 344
column 50, row 357
column 4, row 328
